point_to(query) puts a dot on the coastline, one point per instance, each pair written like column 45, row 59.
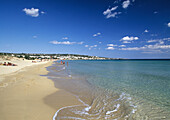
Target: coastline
column 106, row 103
column 27, row 95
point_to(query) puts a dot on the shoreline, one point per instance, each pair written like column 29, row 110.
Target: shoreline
column 105, row 103
column 31, row 96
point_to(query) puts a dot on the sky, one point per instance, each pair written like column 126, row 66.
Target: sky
column 105, row 28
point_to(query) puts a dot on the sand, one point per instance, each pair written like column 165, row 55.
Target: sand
column 25, row 95
column 20, row 62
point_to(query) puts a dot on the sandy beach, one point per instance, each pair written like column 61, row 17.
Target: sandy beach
column 25, row 95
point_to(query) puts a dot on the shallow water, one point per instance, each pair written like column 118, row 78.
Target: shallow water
column 117, row 89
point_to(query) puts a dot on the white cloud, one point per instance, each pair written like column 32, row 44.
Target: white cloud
column 100, row 42
column 111, row 45
column 149, row 47
column 150, row 41
column 133, row 48
column 114, row 8
column 153, row 51
column 65, row 43
column 122, row 45
column 97, row 34
column 128, row 39
column 126, row 42
column 65, row 38
column 113, row 14
column 160, row 41
column 31, row 12
column 80, row 43
column 109, row 13
column 42, row 12
column 168, row 39
column 93, row 46
column 146, row 31
column 168, row 24
column 158, row 46
column 125, row 4
column 90, row 47
column 110, row 48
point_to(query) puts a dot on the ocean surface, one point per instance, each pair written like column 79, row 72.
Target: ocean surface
column 114, row 89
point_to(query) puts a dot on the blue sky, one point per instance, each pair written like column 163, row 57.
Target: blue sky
column 108, row 28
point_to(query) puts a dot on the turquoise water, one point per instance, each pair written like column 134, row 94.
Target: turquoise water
column 149, row 79
column 145, row 84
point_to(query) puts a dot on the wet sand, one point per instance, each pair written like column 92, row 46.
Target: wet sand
column 25, row 95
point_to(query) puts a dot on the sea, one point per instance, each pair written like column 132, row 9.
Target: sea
column 114, row 89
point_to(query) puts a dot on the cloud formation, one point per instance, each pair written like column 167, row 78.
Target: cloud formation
column 122, row 45
column 65, row 43
column 65, row 38
column 126, row 42
column 146, row 31
column 128, row 39
column 97, row 34
column 168, row 24
column 110, row 48
column 90, row 47
column 42, row 12
column 108, row 13
column 161, row 41
column 147, row 47
column 158, row 47
column 32, row 12
column 113, row 12
column 111, row 45
column 125, row 4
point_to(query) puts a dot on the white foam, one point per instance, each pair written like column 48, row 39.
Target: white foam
column 87, row 108
column 74, row 118
column 81, row 112
column 117, row 107
column 85, row 111
column 62, row 109
column 134, row 110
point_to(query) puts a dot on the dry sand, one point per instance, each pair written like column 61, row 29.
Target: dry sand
column 20, row 62
column 25, row 95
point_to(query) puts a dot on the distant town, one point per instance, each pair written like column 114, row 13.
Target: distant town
column 30, row 56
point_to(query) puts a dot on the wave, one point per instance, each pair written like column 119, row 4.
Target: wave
column 102, row 107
